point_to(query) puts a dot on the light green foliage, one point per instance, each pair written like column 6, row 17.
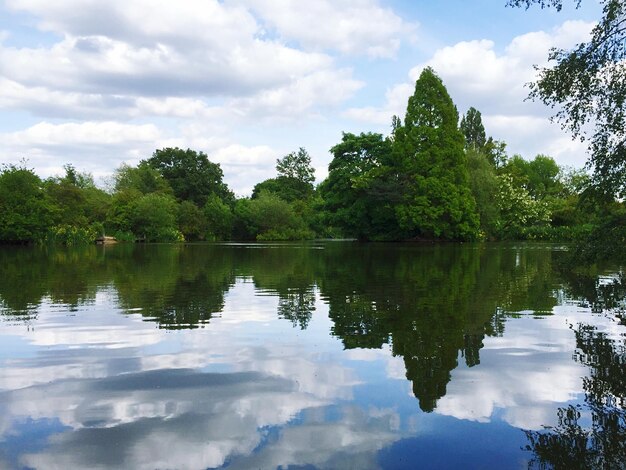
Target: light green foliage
column 574, row 180
column 288, row 188
column 518, row 209
column 120, row 213
column 76, row 178
column 271, row 218
column 142, row 178
column 78, row 203
column 295, row 178
column 296, row 165
column 190, row 174
column 70, row 235
column 25, row 211
column 543, row 177
column 191, row 221
column 153, row 217
column 539, row 176
column 431, row 165
column 358, row 196
column 495, row 150
column 219, row 219
column 586, row 85
column 473, row 130
column 484, row 185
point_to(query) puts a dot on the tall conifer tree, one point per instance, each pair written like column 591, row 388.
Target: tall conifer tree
column 473, row 130
column 437, row 202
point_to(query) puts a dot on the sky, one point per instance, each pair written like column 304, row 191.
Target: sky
column 98, row 83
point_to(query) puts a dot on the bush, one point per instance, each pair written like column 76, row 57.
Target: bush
column 25, row 210
column 191, row 221
column 153, row 218
column 556, row 234
column 219, row 219
column 285, row 235
column 124, row 236
column 71, row 236
column 275, row 219
column 605, row 241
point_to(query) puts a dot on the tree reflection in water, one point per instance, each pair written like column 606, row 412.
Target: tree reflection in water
column 592, row 435
column 430, row 304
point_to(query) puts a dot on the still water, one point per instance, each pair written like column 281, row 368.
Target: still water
column 318, row 355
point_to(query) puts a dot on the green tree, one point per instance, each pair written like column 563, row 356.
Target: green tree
column 295, row 178
column 142, row 178
column 271, row 218
column 191, row 221
column 431, row 164
column 190, row 174
column 153, row 217
column 587, row 87
column 219, row 218
column 120, row 213
column 484, row 185
column 540, row 176
column 473, row 130
column 518, row 209
column 25, row 211
column 296, row 165
column 77, row 200
column 543, row 177
column 357, row 198
column 495, row 150
column 288, row 188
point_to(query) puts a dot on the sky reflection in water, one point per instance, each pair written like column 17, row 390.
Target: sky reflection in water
column 334, row 355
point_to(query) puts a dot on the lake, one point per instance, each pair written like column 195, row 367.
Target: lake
column 310, row 355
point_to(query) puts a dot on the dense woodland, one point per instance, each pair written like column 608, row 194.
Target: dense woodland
column 435, row 177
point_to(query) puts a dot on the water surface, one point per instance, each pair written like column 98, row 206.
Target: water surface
column 314, row 355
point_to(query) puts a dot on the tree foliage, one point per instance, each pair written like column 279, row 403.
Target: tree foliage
column 296, row 165
column 518, row 209
column 431, row 164
column 219, row 218
column 484, row 185
column 473, row 130
column 190, row 174
column 25, row 210
column 153, row 217
column 355, row 194
column 269, row 217
column 142, row 178
column 288, row 188
column 587, row 85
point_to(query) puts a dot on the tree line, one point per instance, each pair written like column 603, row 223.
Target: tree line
column 435, row 177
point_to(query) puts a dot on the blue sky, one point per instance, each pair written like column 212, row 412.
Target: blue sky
column 98, row 83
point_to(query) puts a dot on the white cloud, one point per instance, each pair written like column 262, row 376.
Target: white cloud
column 348, row 26
column 474, row 72
column 103, row 146
column 113, row 67
column 395, row 104
column 246, row 166
column 99, row 146
column 200, row 71
column 193, row 60
column 90, row 133
column 323, row 88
